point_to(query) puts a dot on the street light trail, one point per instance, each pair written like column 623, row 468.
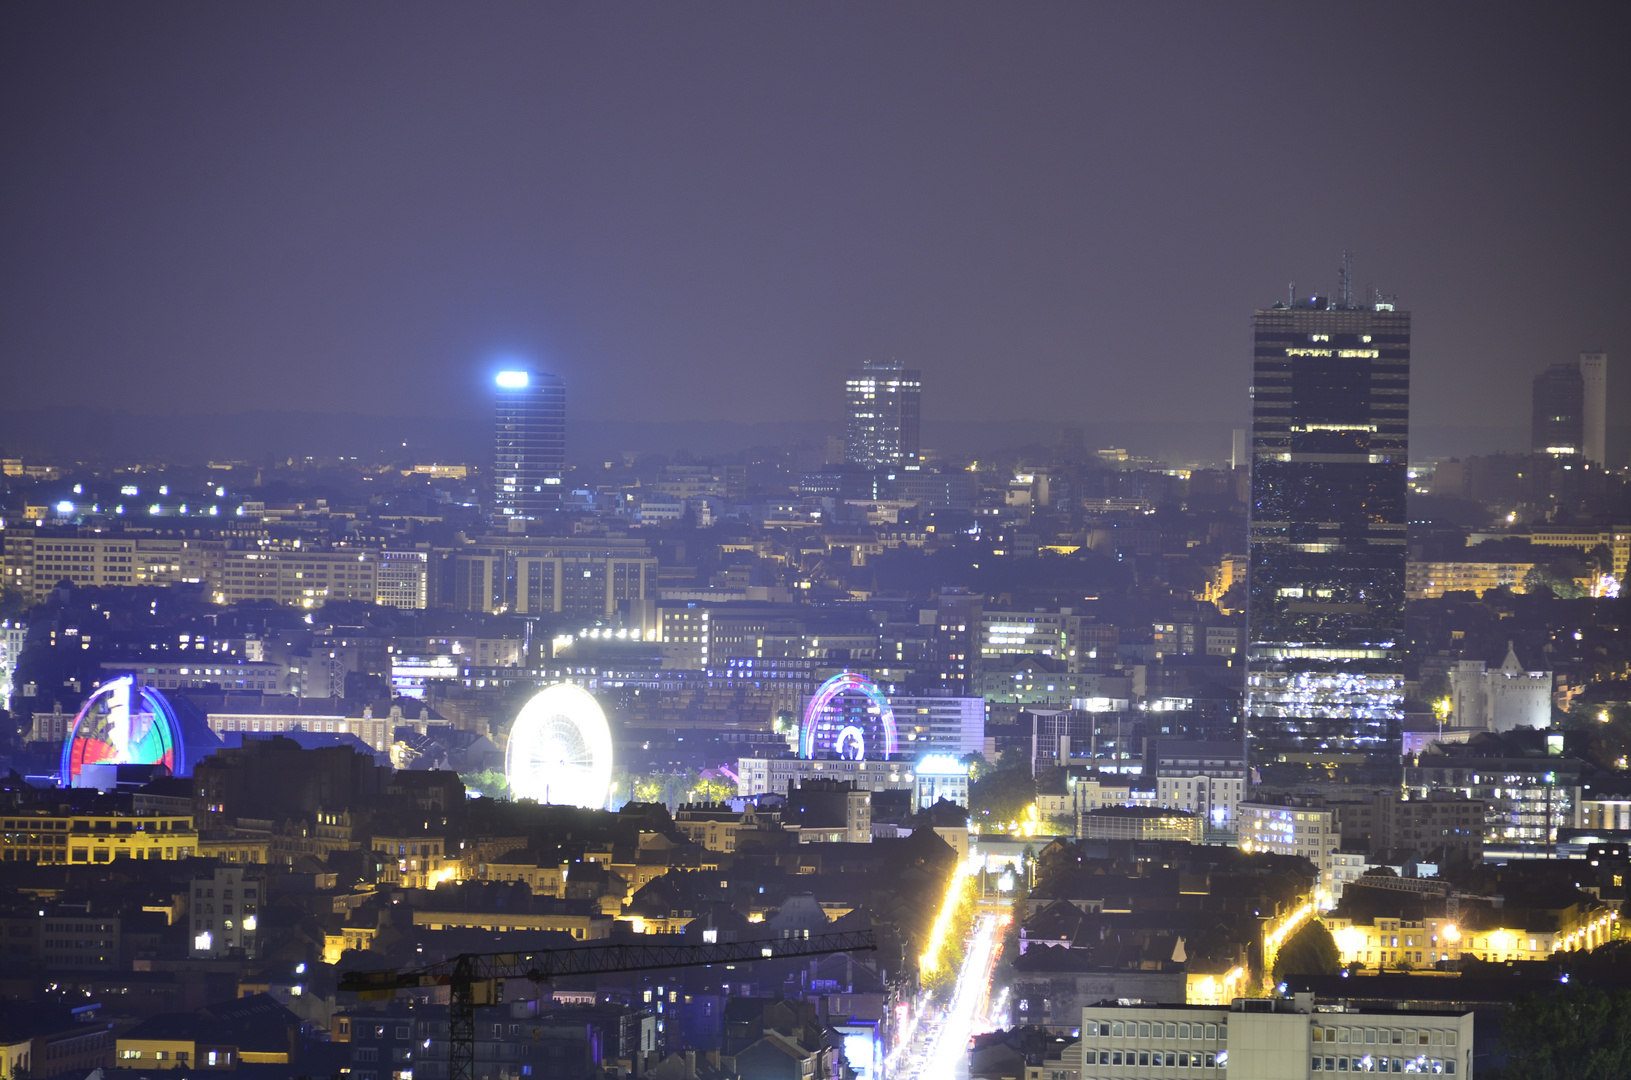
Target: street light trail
column 965, row 1015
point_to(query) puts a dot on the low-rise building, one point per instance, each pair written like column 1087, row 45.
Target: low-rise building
column 95, row 838
column 414, row 861
column 940, row 776
column 1139, row 823
column 762, row 776
column 1263, row 1038
column 713, row 825
column 829, row 811
column 580, row 918
column 225, row 913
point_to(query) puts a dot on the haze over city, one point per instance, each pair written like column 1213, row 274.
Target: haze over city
column 1059, row 212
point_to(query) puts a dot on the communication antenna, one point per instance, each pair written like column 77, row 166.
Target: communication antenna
column 1345, row 281
column 1291, row 295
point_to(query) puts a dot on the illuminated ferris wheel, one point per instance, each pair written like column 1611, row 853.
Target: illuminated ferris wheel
column 560, row 749
column 848, row 717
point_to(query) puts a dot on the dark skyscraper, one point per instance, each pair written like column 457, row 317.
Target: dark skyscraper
column 529, row 454
column 1330, row 417
column 1558, row 424
column 883, row 407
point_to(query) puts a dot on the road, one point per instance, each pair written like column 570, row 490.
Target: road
column 939, row 1049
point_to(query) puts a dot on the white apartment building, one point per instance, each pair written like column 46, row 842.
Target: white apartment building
column 940, row 725
column 1206, row 778
column 1213, row 799
column 1264, row 1039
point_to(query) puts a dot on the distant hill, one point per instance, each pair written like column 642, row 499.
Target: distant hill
column 64, row 434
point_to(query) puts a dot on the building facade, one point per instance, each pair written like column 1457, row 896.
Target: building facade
column 522, row 576
column 883, row 405
column 403, row 580
column 1312, row 832
column 1557, row 423
column 1500, row 700
column 225, row 912
column 1330, row 415
column 529, row 444
column 1594, row 407
column 761, row 776
column 1263, row 1038
column 1207, row 779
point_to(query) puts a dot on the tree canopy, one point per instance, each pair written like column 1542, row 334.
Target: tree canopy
column 1311, row 950
column 1572, row 1033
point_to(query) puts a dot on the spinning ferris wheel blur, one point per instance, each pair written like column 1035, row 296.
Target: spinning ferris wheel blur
column 560, row 749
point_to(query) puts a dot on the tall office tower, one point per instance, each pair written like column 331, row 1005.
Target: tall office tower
column 884, row 404
column 1594, row 407
column 529, row 454
column 1330, row 422
column 1557, row 427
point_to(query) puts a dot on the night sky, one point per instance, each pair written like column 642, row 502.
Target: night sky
column 707, row 211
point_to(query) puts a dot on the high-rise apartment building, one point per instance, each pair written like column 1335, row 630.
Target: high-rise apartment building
column 529, row 455
column 1330, row 416
column 883, row 407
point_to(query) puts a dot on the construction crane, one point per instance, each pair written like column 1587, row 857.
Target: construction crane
column 475, row 979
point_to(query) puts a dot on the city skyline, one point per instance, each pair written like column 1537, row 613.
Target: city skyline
column 1130, row 188
column 858, row 542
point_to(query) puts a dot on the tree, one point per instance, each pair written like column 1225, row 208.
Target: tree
column 13, row 603
column 1003, row 796
column 1561, row 577
column 1578, row 1033
column 490, row 782
column 1311, row 950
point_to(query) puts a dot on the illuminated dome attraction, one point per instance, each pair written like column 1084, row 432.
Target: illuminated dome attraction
column 560, row 749
column 122, row 724
column 848, row 716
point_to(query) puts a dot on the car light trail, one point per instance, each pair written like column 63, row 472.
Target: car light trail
column 965, row 1016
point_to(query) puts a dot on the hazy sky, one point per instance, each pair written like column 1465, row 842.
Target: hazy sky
column 708, row 210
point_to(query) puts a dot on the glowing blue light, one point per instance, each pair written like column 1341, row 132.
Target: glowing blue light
column 512, row 380
column 65, row 507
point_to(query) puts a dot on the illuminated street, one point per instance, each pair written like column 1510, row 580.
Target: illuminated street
column 943, row 1049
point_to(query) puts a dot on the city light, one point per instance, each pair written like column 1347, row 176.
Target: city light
column 1273, row 939
column 929, row 961
column 512, row 380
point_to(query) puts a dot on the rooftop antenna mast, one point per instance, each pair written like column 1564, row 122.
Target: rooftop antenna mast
column 1345, row 281
column 1291, row 295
